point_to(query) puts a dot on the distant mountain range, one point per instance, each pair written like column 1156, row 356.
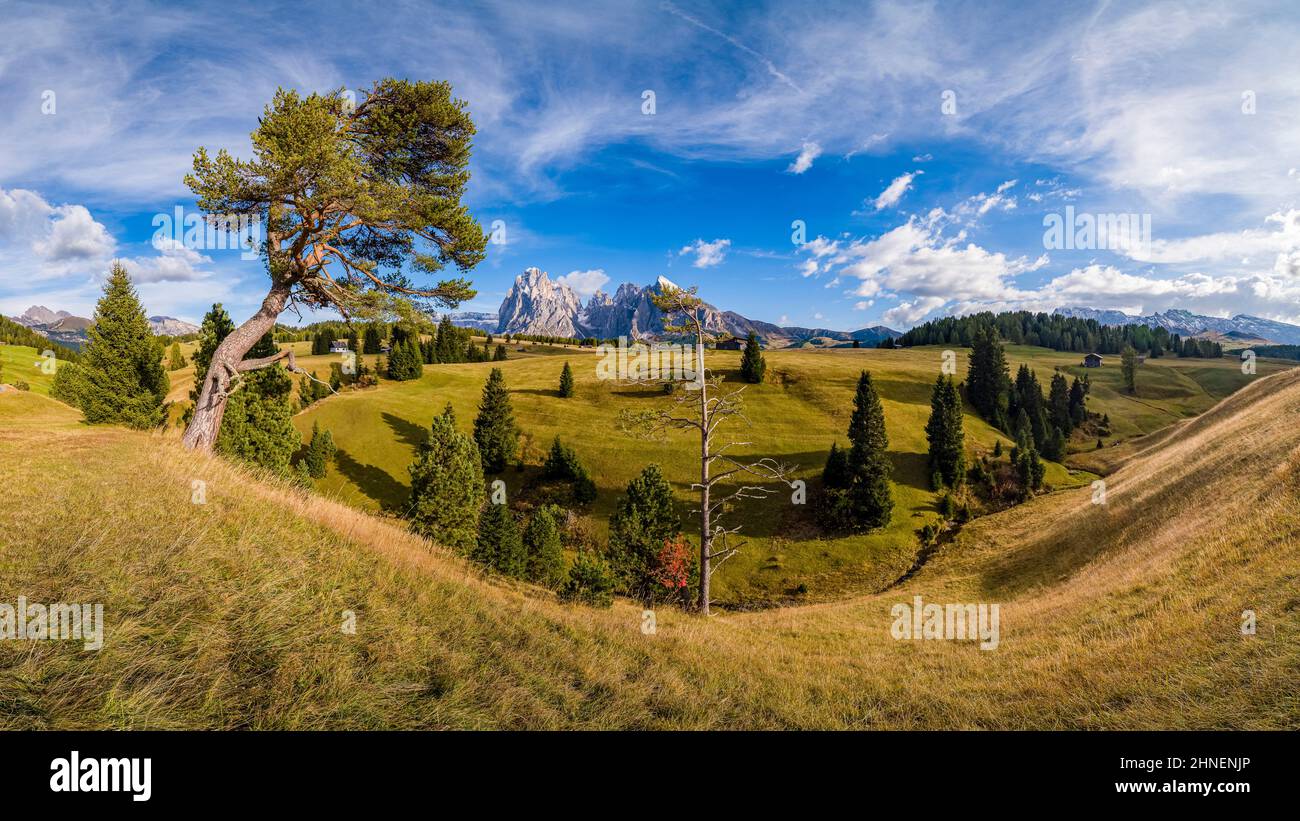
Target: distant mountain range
column 66, row 329
column 537, row 305
column 1185, row 323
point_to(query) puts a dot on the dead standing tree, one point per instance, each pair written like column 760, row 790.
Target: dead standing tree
column 704, row 407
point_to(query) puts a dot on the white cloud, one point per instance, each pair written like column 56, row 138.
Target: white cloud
column 1227, row 245
column 915, row 258
column 907, row 314
column 707, row 254
column 74, row 235
column 40, row 240
column 584, row 283
column 895, row 190
column 804, row 161
column 174, row 263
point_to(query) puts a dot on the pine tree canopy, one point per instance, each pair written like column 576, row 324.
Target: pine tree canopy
column 446, row 486
column 494, row 427
column 120, row 378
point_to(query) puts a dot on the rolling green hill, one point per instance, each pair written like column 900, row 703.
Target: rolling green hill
column 22, row 363
column 795, row 415
column 228, row 614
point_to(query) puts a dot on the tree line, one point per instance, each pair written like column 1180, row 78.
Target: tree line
column 12, row 333
column 1060, row 333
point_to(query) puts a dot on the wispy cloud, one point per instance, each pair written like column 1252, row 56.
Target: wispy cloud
column 707, row 254
column 804, row 161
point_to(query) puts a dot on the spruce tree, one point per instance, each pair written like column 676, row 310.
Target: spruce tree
column 643, row 519
column 494, row 428
column 545, row 564
column 371, row 340
column 320, row 451
column 752, row 364
column 1027, row 395
column 987, row 379
column 414, row 359
column 500, row 355
column 590, row 581
column 446, row 486
column 119, row 378
column 499, row 545
column 566, row 381
column 945, row 435
column 1058, row 404
column 405, row 362
column 836, row 472
column 446, row 347
column 870, row 497
column 175, row 359
column 258, row 424
column 562, row 465
column 1030, row 470
column 1078, row 403
column 1055, row 449
column 1128, row 366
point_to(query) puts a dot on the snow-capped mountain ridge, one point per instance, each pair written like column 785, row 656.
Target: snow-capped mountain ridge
column 1186, row 323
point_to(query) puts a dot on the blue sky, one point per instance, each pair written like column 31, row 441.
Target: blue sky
column 920, row 145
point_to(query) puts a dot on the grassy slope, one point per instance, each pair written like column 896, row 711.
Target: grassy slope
column 23, row 363
column 227, row 614
column 802, row 408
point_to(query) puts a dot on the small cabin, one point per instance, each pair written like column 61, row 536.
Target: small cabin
column 1092, row 360
column 339, row 346
column 732, row 344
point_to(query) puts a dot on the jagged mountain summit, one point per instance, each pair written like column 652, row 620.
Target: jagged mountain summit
column 70, row 330
column 40, row 315
column 536, row 305
column 171, row 326
column 540, row 306
column 1186, row 323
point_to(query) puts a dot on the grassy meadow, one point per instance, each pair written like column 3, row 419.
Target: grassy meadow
column 22, row 363
column 795, row 415
column 227, row 614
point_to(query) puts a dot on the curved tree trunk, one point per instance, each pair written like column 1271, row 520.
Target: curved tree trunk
column 211, row 405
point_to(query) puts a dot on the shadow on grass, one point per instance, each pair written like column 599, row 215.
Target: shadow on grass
column 376, row 483
column 408, row 433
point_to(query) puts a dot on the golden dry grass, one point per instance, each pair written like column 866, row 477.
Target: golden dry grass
column 227, row 614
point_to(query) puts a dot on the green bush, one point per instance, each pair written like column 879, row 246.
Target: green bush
column 590, row 581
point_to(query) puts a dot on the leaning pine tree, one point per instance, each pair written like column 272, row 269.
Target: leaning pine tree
column 120, row 378
column 494, row 427
column 216, row 327
column 446, row 486
column 353, row 196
